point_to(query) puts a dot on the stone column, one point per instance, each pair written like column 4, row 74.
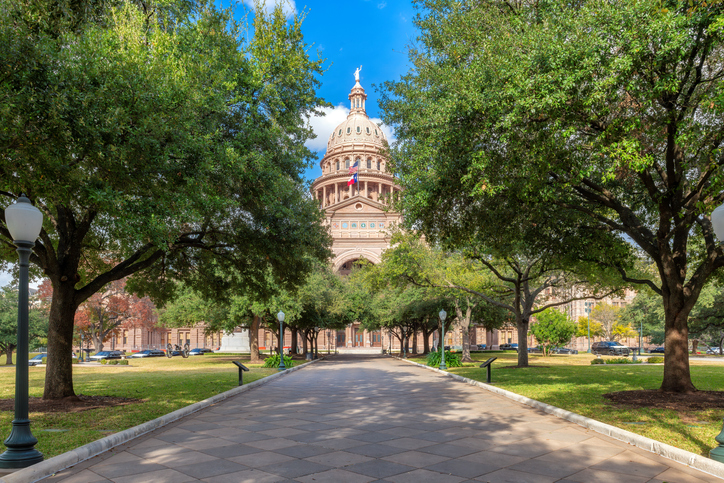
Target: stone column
column 336, row 192
column 350, row 188
column 366, row 194
column 324, row 196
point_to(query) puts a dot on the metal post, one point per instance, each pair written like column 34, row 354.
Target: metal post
column 21, row 451
column 588, row 311
column 280, row 316
column 443, row 315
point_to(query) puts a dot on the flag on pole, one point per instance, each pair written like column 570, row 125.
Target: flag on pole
column 353, row 171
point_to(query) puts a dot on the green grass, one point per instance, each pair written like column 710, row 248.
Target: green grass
column 164, row 385
column 572, row 383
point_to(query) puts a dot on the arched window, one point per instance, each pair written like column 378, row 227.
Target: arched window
column 369, row 163
column 346, row 163
column 349, row 130
column 359, row 129
column 378, row 165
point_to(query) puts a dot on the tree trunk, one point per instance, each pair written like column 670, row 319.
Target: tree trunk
column 305, row 342
column 523, row 324
column 677, row 377
column 426, row 341
column 59, row 371
column 294, row 341
column 414, row 342
column 254, row 339
column 466, row 343
column 9, row 355
column 316, row 344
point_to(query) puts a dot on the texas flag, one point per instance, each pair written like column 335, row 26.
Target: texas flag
column 353, row 171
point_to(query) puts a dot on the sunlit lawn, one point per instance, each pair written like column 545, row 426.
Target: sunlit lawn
column 164, row 385
column 570, row 382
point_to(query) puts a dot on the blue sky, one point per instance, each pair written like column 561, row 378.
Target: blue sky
column 372, row 33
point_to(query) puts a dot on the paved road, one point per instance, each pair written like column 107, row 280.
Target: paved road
column 360, row 419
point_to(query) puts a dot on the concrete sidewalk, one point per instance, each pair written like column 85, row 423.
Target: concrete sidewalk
column 362, row 418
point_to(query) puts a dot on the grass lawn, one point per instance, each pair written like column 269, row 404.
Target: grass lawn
column 570, row 382
column 164, row 385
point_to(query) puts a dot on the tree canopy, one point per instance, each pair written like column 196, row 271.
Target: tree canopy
column 162, row 141
column 591, row 128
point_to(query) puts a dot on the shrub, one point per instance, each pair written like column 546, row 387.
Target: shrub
column 655, row 360
column 598, row 361
column 44, row 360
column 273, row 361
column 104, row 361
column 622, row 360
column 451, row 360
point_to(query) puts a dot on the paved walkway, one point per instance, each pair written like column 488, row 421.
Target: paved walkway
column 360, row 419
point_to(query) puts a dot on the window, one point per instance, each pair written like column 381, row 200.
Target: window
column 378, row 166
column 359, row 129
column 346, row 164
column 340, row 132
column 338, row 166
column 369, row 163
column 349, row 130
column 376, row 133
column 368, row 129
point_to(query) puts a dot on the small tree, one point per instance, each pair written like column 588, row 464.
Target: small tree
column 552, row 329
column 37, row 323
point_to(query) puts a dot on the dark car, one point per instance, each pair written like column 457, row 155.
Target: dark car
column 199, row 352
column 610, row 348
column 106, row 355
column 658, row 350
column 565, row 350
column 37, row 359
column 149, row 353
column 535, row 349
column 508, row 347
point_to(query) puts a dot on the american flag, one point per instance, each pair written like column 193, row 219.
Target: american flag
column 353, row 168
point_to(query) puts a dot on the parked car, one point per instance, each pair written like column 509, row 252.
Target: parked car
column 149, row 353
column 199, row 352
column 106, row 355
column 714, row 350
column 565, row 350
column 482, row 347
column 34, row 361
column 610, row 348
column 657, row 350
column 508, row 347
column 535, row 349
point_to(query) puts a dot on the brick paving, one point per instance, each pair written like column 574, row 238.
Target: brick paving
column 364, row 418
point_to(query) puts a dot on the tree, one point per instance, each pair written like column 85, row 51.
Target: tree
column 162, row 143
column 609, row 317
column 521, row 283
column 37, row 322
column 585, row 323
column 552, row 329
column 602, row 116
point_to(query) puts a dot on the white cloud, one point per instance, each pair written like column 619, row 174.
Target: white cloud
column 5, row 278
column 381, row 5
column 288, row 6
column 324, row 125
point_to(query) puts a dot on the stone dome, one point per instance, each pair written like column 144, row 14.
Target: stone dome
column 357, row 128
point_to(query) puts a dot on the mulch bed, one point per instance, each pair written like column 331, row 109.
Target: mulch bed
column 69, row 404
column 653, row 398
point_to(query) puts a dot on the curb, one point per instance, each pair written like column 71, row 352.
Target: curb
column 58, row 463
column 667, row 451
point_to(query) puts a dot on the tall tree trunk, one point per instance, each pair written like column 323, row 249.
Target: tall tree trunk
column 305, row 343
column 466, row 343
column 59, row 371
column 254, row 339
column 522, row 325
column 294, row 341
column 414, row 342
column 677, row 377
column 426, row 341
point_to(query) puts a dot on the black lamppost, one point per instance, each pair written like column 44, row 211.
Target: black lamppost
column 81, row 347
column 443, row 316
column 588, row 306
column 280, row 316
column 24, row 222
